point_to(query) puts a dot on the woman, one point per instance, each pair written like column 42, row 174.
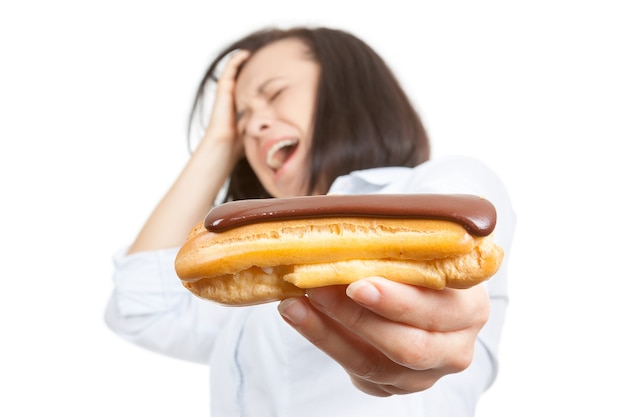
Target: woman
column 299, row 112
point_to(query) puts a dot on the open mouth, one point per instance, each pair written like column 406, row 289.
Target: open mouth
column 280, row 152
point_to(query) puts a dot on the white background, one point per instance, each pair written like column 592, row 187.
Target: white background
column 94, row 98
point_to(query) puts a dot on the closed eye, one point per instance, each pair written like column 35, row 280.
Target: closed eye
column 275, row 95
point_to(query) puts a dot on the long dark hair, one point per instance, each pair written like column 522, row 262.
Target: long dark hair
column 363, row 118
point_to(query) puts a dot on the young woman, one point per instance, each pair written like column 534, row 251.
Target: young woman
column 299, row 112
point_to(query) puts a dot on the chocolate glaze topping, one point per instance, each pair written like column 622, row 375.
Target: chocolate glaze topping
column 476, row 214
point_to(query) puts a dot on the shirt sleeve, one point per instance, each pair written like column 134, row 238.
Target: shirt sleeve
column 150, row 307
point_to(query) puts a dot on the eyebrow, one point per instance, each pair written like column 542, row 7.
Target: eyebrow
column 260, row 91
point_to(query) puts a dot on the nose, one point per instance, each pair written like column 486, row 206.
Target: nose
column 259, row 121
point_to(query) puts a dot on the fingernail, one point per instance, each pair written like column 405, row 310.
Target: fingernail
column 293, row 310
column 363, row 292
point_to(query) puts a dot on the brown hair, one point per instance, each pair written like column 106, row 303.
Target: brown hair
column 363, row 118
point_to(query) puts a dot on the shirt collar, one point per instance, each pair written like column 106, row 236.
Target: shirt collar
column 367, row 181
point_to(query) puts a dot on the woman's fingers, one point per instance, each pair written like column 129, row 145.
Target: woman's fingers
column 222, row 123
column 436, row 310
column 227, row 77
column 391, row 338
column 372, row 371
column 224, row 105
column 405, row 327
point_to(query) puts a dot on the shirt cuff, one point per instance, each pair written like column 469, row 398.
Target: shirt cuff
column 146, row 282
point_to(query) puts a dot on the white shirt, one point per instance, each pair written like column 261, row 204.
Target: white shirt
column 259, row 366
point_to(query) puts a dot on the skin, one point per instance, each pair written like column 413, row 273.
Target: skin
column 196, row 188
column 391, row 338
column 275, row 96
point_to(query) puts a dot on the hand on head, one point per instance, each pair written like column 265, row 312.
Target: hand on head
column 222, row 128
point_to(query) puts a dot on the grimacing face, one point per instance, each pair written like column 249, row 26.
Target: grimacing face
column 275, row 98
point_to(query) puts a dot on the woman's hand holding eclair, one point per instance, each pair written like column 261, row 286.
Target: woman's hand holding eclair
column 366, row 325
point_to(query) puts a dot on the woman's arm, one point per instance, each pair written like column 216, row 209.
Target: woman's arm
column 194, row 191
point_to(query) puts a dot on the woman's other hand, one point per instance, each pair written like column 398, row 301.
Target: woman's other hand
column 222, row 128
column 197, row 186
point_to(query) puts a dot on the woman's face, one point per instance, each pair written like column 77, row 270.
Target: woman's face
column 275, row 98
